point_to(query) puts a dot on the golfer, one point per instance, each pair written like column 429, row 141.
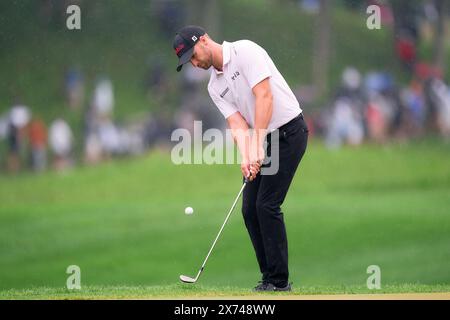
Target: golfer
column 251, row 93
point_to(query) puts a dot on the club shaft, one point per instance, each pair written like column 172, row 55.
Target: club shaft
column 220, row 231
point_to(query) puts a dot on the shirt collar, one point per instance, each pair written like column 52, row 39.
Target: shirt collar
column 226, row 47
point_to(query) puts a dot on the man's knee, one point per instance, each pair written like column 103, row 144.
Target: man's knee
column 248, row 209
column 267, row 207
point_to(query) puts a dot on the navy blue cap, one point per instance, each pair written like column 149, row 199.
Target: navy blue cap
column 184, row 42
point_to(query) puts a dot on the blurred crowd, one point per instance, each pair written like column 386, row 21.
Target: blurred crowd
column 28, row 138
column 369, row 107
column 366, row 107
column 374, row 108
column 31, row 143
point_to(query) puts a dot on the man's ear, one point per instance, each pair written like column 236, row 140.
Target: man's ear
column 204, row 39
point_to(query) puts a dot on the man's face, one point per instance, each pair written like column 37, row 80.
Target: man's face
column 202, row 57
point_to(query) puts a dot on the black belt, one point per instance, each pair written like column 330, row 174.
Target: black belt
column 297, row 118
column 286, row 125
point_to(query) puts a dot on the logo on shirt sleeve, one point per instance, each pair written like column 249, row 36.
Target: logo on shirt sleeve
column 224, row 92
column 235, row 75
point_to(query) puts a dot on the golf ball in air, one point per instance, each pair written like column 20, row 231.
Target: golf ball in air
column 189, row 210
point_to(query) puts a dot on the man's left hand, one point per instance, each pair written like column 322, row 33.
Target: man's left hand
column 256, row 157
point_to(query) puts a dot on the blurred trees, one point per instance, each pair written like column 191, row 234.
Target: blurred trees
column 406, row 16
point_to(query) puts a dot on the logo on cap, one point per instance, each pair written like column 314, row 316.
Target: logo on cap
column 194, row 38
column 179, row 48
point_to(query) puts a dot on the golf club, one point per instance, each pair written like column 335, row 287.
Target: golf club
column 187, row 279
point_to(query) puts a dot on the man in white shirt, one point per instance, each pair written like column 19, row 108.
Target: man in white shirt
column 251, row 93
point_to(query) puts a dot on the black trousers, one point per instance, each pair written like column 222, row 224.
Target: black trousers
column 262, row 200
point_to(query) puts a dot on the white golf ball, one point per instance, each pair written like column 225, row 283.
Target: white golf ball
column 189, row 210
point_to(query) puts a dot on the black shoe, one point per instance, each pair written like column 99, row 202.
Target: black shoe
column 271, row 287
column 261, row 286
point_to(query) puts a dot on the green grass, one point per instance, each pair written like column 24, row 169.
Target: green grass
column 178, row 291
column 123, row 223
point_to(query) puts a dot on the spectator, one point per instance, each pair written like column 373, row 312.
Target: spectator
column 37, row 136
column 309, row 6
column 169, row 15
column 406, row 50
column 414, row 111
column 345, row 125
column 109, row 139
column 440, row 98
column 103, row 100
column 378, row 116
column 74, row 88
column 4, row 124
column 92, row 149
column 61, row 140
column 18, row 119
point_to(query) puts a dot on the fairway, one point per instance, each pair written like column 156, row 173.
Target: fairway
column 123, row 224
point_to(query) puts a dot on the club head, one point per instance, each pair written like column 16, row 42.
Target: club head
column 187, row 279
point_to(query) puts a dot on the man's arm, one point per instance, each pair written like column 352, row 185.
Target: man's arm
column 263, row 114
column 251, row 147
column 241, row 135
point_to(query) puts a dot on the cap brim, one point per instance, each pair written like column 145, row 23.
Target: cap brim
column 185, row 58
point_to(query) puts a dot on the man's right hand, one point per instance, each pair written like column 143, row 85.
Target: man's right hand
column 240, row 131
column 248, row 170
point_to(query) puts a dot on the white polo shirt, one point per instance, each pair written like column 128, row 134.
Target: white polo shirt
column 245, row 64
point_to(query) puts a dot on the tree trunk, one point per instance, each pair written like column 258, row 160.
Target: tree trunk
column 440, row 36
column 321, row 48
column 205, row 13
column 212, row 19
